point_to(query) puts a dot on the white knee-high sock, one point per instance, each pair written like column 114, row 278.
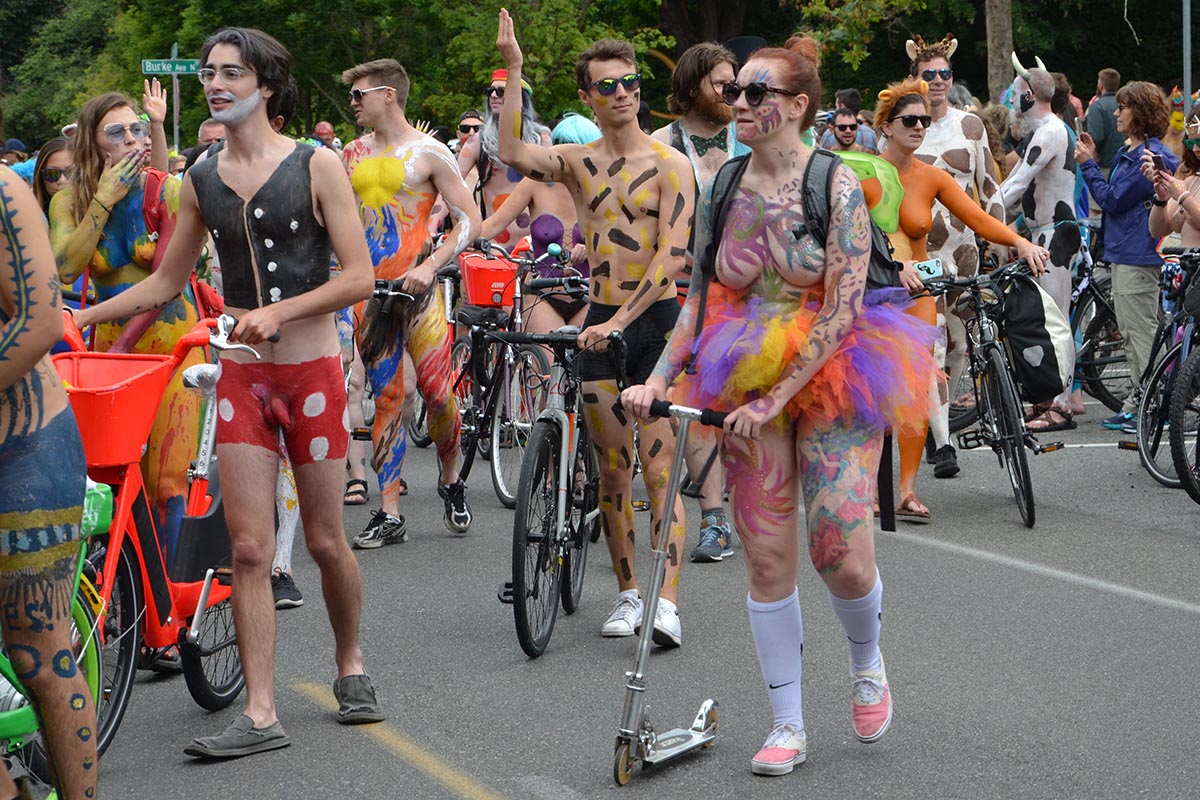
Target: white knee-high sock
column 287, row 506
column 779, row 639
column 861, row 619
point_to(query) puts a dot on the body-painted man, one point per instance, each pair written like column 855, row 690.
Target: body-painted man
column 275, row 209
column 115, row 221
column 481, row 152
column 705, row 134
column 957, row 143
column 42, row 474
column 1043, row 184
column 397, row 173
column 634, row 198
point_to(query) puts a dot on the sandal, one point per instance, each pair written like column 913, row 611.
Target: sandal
column 912, row 509
column 1046, row 422
column 356, row 493
column 1037, row 410
column 403, row 487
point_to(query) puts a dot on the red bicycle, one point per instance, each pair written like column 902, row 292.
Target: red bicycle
column 145, row 600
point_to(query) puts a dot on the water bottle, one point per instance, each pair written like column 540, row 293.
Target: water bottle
column 97, row 508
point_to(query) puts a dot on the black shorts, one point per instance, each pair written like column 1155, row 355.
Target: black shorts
column 645, row 340
column 564, row 305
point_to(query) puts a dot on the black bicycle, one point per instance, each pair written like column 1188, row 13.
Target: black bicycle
column 1001, row 423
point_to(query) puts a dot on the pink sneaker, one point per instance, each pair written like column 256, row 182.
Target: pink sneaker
column 872, row 700
column 783, row 750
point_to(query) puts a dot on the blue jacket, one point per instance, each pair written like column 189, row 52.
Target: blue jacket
column 1125, row 201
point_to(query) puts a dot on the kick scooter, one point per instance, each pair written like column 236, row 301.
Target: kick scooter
column 637, row 741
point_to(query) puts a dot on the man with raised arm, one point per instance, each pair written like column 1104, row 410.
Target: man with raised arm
column 706, row 135
column 42, row 475
column 275, row 209
column 634, row 197
column 398, row 173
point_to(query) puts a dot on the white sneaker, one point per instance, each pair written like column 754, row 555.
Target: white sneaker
column 667, row 630
column 625, row 617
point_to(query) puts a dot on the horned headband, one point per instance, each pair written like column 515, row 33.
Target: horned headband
column 1024, row 73
column 945, row 48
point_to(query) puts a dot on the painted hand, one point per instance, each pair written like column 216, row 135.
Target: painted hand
column 506, row 41
column 748, row 421
column 117, row 179
column 637, row 399
column 154, row 101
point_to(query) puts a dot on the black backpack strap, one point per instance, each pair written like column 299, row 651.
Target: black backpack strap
column 818, row 182
column 726, row 180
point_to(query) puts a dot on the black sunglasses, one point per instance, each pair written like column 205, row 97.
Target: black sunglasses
column 608, row 86
column 470, row 128
column 755, row 92
column 494, row 90
column 851, row 127
column 945, row 74
column 52, row 174
column 911, row 120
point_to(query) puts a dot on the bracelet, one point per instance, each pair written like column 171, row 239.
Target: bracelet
column 106, row 208
column 1154, row 201
column 1183, row 197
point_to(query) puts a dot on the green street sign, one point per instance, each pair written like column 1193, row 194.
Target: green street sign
column 170, row 66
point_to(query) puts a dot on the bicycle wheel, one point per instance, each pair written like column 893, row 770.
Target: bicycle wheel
column 963, row 411
column 122, row 643
column 1010, row 428
column 464, row 389
column 1185, row 424
column 1101, row 360
column 583, row 525
column 536, row 576
column 1153, row 445
column 516, row 410
column 418, row 431
column 85, row 644
column 212, row 666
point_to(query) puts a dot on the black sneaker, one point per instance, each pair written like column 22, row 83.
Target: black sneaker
column 945, row 462
column 285, row 591
column 931, row 448
column 382, row 529
column 458, row 513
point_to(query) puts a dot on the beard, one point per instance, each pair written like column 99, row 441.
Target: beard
column 712, row 109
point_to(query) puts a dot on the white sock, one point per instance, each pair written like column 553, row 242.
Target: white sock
column 861, row 620
column 287, row 506
column 779, row 639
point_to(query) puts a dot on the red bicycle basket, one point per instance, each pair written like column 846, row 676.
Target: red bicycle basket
column 115, row 397
column 488, row 282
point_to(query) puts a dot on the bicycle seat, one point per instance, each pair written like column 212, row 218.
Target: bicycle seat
column 484, row 317
column 574, row 330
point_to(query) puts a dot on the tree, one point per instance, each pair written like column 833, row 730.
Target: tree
column 999, row 46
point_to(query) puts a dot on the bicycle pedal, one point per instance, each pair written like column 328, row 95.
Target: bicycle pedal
column 970, row 440
column 223, row 576
column 641, row 505
column 1127, row 444
column 361, row 434
column 1038, row 449
column 505, row 593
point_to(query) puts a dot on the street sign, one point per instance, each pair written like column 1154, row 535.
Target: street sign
column 170, row 66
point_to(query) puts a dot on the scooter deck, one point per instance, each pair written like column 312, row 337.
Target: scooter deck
column 675, row 743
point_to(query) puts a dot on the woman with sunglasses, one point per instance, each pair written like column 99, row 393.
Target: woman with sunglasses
column 814, row 370
column 113, row 222
column 1176, row 204
column 52, row 171
column 902, row 116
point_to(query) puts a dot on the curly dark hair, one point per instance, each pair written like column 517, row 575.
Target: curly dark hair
column 1150, row 107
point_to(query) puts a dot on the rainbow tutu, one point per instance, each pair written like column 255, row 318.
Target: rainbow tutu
column 879, row 375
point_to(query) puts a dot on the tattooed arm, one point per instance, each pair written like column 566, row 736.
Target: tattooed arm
column 676, row 198
column 545, row 164
column 29, row 285
column 847, row 246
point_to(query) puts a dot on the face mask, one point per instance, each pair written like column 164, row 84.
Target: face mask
column 239, row 110
column 1026, row 102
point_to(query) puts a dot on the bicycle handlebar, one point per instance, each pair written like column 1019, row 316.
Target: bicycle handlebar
column 1187, row 252
column 705, row 416
column 942, row 285
column 572, row 283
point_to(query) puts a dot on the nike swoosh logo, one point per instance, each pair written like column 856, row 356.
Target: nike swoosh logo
column 780, row 686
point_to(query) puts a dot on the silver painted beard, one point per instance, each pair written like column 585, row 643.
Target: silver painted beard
column 239, row 110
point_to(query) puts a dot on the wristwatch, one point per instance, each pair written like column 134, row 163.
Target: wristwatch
column 1154, row 201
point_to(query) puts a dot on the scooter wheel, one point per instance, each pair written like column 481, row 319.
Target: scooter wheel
column 623, row 762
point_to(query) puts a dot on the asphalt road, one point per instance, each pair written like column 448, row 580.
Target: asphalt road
column 1043, row 663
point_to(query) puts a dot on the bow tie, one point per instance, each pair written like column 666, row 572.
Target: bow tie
column 720, row 141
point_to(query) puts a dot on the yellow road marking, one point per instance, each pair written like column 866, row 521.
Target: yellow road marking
column 417, row 756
